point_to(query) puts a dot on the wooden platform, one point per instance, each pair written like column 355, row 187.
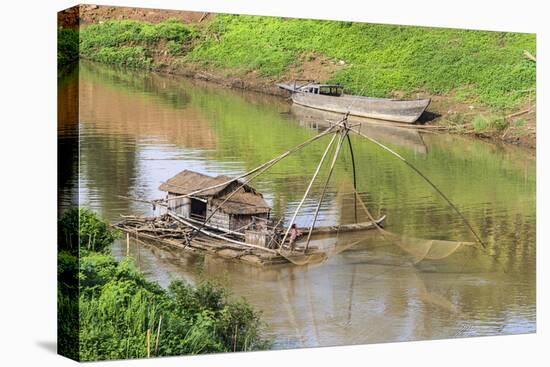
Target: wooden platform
column 157, row 231
column 168, row 231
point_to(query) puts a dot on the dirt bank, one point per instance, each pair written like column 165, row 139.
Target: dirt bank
column 91, row 14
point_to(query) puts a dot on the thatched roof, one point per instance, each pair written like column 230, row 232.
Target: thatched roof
column 245, row 201
column 187, row 182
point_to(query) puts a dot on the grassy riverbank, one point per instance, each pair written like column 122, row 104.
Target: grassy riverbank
column 108, row 310
column 479, row 80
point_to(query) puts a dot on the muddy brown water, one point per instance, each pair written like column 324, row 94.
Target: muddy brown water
column 137, row 129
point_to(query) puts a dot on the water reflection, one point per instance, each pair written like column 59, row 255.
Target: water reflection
column 376, row 129
column 138, row 129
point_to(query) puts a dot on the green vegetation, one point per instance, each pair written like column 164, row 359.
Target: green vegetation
column 136, row 57
column 174, row 48
column 67, row 46
column 130, row 43
column 114, row 311
column 486, row 123
column 370, row 59
column 84, row 229
column 379, row 59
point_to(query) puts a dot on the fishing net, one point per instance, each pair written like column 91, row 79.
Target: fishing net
column 380, row 246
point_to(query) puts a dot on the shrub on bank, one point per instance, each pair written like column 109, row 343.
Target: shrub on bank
column 67, row 46
column 130, row 43
column 123, row 315
column 135, row 57
column 81, row 229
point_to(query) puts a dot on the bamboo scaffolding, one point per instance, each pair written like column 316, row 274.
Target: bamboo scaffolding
column 331, row 169
column 244, row 183
column 211, row 234
column 354, row 176
column 308, row 189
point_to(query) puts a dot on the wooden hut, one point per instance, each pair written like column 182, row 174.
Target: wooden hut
column 244, row 209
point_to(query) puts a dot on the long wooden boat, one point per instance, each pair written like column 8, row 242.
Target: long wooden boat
column 351, row 227
column 330, row 97
column 322, row 230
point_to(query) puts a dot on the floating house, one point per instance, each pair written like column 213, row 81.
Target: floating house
column 241, row 211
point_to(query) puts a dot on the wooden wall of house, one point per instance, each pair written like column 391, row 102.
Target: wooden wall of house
column 238, row 221
column 181, row 206
column 256, row 238
column 220, row 219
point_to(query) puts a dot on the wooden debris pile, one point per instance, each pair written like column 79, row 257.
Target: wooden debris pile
column 165, row 230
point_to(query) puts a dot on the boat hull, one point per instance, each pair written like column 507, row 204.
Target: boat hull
column 352, row 227
column 375, row 108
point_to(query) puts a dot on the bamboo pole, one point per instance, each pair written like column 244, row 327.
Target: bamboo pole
column 148, row 343
column 529, row 56
column 354, row 176
column 333, row 163
column 244, row 183
column 308, row 188
column 220, row 237
column 127, row 244
column 138, row 252
column 158, row 336
column 204, row 15
column 427, row 180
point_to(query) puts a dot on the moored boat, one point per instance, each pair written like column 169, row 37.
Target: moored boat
column 330, row 97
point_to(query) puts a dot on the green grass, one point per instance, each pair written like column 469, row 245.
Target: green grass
column 380, row 59
column 130, row 43
column 107, row 308
column 483, row 124
column 481, row 67
column 136, row 57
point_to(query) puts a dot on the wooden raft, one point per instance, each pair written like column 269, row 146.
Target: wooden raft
column 166, row 231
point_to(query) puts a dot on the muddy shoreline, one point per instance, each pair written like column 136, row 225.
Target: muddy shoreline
column 441, row 107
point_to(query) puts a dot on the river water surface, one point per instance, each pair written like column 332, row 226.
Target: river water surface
column 138, row 129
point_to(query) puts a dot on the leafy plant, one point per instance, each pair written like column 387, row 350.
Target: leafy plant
column 81, row 228
column 67, row 46
column 136, row 57
column 174, row 48
column 109, row 310
column 130, row 43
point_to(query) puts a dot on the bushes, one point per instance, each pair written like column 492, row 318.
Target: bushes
column 119, row 307
column 115, row 307
column 129, row 43
column 67, row 46
column 174, row 48
column 484, row 124
column 135, row 57
column 82, row 229
column 119, row 33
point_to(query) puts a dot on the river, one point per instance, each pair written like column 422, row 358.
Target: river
column 137, row 129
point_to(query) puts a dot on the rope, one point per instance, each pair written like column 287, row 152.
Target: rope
column 427, row 180
column 278, row 158
column 308, row 189
column 334, row 158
